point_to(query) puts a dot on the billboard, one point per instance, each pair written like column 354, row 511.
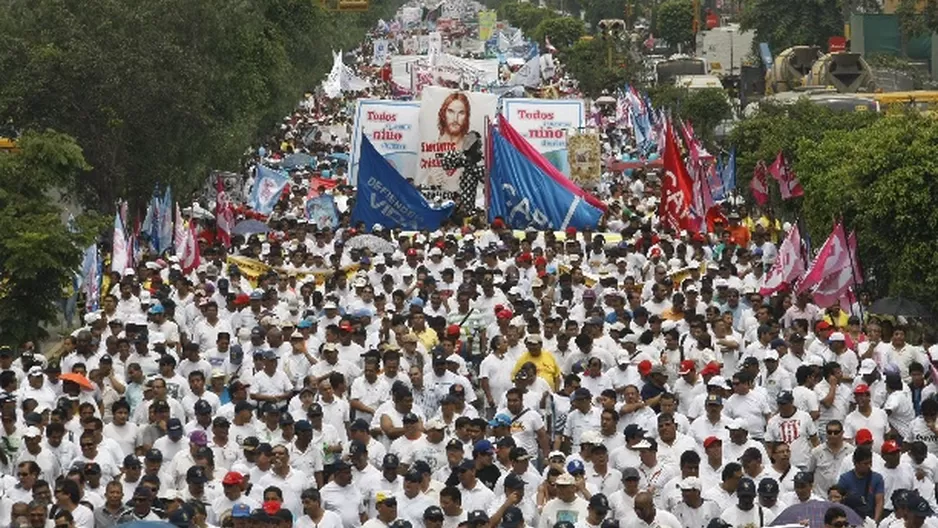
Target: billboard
column 392, row 127
column 487, row 21
column 447, row 118
column 545, row 124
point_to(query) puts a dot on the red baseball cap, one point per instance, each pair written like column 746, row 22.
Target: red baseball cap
column 890, row 446
column 504, row 314
column 644, row 367
column 710, row 440
column 712, row 369
column 411, row 252
column 499, row 307
column 862, row 388
column 453, row 330
column 345, row 325
column 232, row 478
column 822, row 325
column 498, row 224
column 863, row 436
column 687, row 366
column 571, row 231
column 242, row 299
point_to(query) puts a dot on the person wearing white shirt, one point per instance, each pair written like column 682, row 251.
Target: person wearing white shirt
column 271, row 384
column 583, row 417
column 647, row 516
column 342, row 497
column 865, row 416
column 320, row 514
column 748, row 405
column 567, row 506
column 790, row 423
column 368, row 391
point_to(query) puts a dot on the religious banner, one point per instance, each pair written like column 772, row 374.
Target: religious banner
column 392, row 127
column 584, row 151
column 447, row 119
column 546, row 124
column 410, row 46
column 381, row 52
column 487, row 21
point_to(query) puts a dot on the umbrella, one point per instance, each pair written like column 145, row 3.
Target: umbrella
column 374, row 243
column 813, row 512
column 899, row 306
column 78, row 379
column 340, row 156
column 250, row 227
column 299, row 159
column 606, row 100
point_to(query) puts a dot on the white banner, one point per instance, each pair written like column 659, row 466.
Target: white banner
column 435, row 43
column 446, row 118
column 392, row 127
column 546, row 124
column 423, row 44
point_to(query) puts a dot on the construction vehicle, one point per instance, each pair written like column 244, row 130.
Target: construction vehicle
column 667, row 71
column 790, row 68
column 847, row 72
column 725, row 49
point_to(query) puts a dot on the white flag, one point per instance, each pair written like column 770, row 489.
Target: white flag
column 529, row 75
column 788, row 266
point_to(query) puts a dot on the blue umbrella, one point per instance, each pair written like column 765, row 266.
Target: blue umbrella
column 249, row 227
column 341, row 156
column 813, row 512
column 299, row 159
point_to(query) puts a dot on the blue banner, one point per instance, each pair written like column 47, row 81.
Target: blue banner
column 321, row 211
column 385, row 197
column 268, row 186
column 523, row 195
column 729, row 173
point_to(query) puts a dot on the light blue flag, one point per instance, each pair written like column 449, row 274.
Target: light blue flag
column 321, row 211
column 166, row 220
column 729, row 173
column 268, row 186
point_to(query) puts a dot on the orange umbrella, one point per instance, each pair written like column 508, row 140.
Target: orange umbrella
column 77, row 378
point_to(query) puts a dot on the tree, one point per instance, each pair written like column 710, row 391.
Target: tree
column 792, row 23
column 38, row 251
column 588, row 63
column 525, row 16
column 705, row 109
column 880, row 179
column 777, row 127
column 563, row 32
column 164, row 91
column 675, row 22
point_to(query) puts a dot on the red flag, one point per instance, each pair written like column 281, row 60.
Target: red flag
column 831, row 259
column 191, row 255
column 759, row 184
column 788, row 183
column 315, row 182
column 224, row 214
column 676, row 194
column 787, row 267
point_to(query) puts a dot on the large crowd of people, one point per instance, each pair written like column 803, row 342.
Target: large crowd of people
column 472, row 376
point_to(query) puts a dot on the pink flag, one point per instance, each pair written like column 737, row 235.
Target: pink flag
column 191, row 256
column 759, row 184
column 787, row 267
column 179, row 233
column 224, row 214
column 830, row 260
column 548, row 45
column 788, row 183
column 836, row 286
column 119, row 247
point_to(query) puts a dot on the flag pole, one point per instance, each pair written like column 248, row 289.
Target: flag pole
column 853, row 276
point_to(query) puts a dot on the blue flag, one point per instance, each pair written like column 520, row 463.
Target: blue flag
column 268, row 187
column 321, row 211
column 166, row 221
column 729, row 173
column 525, row 196
column 385, row 197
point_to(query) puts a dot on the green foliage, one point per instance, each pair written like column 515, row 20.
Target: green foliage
column 596, row 10
column 163, row 91
column 588, row 63
column 38, row 253
column 563, row 31
column 794, row 22
column 778, row 127
column 675, row 22
column 525, row 16
column 881, row 178
column 705, row 108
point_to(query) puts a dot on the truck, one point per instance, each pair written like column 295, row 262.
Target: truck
column 725, row 49
column 668, row 70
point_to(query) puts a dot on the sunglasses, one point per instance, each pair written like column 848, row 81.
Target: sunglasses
column 841, row 524
column 835, row 432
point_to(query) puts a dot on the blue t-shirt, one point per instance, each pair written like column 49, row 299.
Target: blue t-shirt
column 861, row 491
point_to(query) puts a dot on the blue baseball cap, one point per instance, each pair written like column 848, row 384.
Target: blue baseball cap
column 156, row 309
column 500, row 420
column 483, row 446
column 240, row 511
column 575, row 466
column 305, row 323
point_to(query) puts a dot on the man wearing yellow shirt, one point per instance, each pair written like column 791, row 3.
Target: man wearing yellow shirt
column 426, row 335
column 547, row 368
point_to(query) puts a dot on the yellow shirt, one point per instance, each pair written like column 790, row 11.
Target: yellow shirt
column 546, row 365
column 428, row 338
column 840, row 322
